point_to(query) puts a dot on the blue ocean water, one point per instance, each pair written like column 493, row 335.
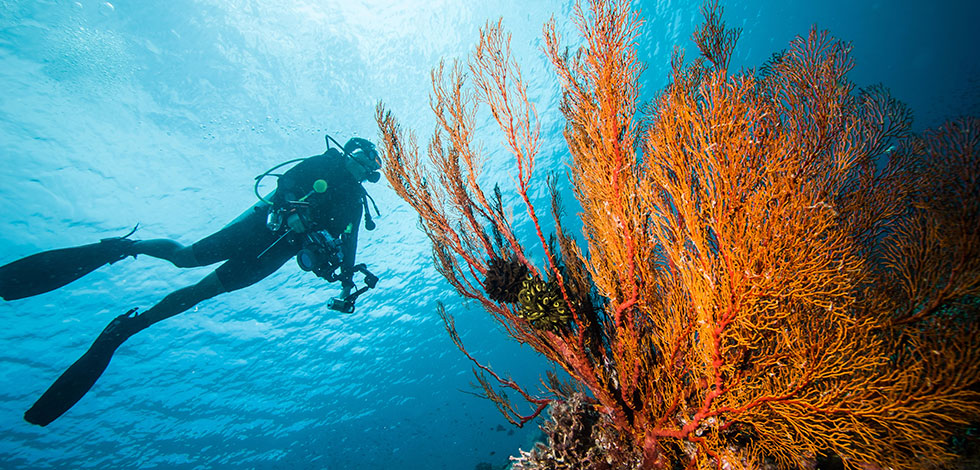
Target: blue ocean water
column 162, row 113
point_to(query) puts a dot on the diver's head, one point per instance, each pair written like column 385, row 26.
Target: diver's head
column 362, row 160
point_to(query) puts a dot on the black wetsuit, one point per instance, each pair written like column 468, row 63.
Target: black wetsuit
column 249, row 249
column 337, row 211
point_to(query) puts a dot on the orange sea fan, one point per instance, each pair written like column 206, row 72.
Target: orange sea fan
column 776, row 268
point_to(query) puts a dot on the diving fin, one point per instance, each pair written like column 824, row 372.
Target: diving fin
column 49, row 270
column 75, row 382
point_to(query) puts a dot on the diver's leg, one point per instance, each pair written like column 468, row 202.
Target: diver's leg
column 49, row 270
column 76, row 381
column 252, row 263
column 219, row 246
column 181, row 300
column 180, row 255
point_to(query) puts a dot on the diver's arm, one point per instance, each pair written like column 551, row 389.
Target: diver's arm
column 348, row 248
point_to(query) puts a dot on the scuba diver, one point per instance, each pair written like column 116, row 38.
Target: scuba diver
column 313, row 214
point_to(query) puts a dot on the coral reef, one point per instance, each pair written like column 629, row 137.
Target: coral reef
column 776, row 270
column 579, row 438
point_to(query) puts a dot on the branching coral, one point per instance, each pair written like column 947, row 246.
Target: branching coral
column 776, row 267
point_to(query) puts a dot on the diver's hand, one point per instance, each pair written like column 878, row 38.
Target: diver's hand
column 295, row 223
